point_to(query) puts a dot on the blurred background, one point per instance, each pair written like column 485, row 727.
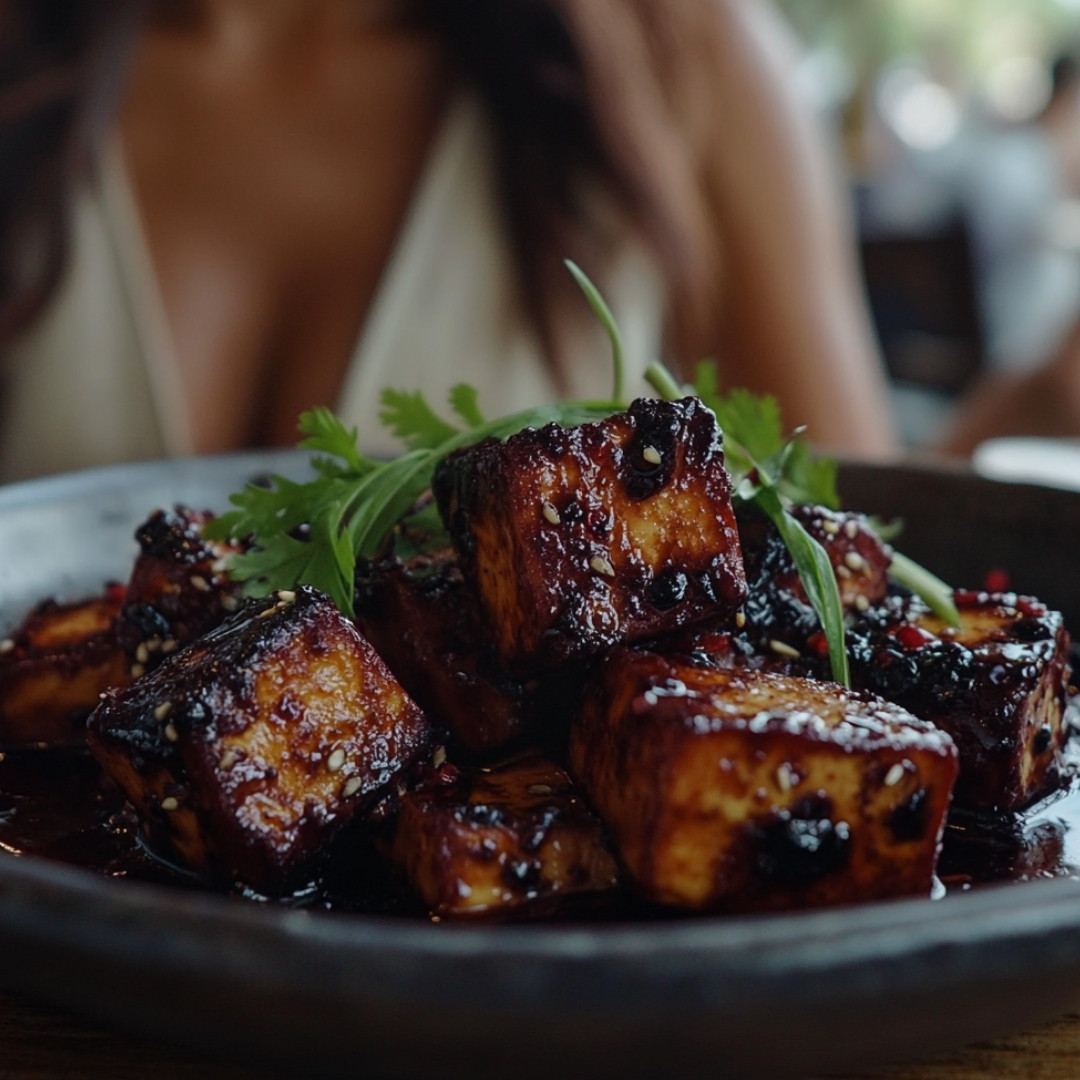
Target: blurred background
column 959, row 124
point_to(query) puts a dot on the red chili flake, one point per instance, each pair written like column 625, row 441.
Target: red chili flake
column 997, row 580
column 818, row 643
column 912, row 637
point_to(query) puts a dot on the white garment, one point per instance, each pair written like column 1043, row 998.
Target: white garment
column 96, row 381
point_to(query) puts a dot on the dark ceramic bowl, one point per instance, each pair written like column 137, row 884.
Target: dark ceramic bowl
column 361, row 996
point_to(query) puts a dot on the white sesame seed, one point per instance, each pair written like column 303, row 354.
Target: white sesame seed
column 602, row 566
column 200, row 583
column 153, row 644
column 551, row 515
column 854, row 561
column 272, row 610
column 894, row 775
column 169, row 645
column 142, row 653
column 137, row 671
column 784, row 778
column 439, row 757
column 171, row 803
column 336, row 760
column 861, row 603
column 220, row 565
column 228, row 759
column 851, row 528
column 740, row 619
column 6, row 645
column 230, row 603
column 286, row 596
column 352, row 786
column 171, row 733
column 651, row 455
column 830, row 527
column 163, row 710
column 782, row 648
column 540, row 789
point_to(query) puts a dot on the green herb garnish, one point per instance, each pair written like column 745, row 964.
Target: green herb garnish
column 315, row 532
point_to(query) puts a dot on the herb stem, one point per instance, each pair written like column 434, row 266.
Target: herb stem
column 607, row 320
column 663, row 382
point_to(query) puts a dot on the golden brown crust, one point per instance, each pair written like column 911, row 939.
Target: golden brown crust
column 736, row 790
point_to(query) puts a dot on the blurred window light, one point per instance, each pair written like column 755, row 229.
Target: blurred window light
column 1018, row 89
column 922, row 113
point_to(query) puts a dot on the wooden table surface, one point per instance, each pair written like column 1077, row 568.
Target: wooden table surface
column 40, row 1043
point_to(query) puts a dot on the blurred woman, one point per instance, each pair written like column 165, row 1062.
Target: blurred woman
column 217, row 213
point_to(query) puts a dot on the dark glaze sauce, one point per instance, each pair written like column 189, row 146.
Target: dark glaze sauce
column 60, row 806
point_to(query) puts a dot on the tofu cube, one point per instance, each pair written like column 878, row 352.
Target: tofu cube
column 422, row 620
column 246, row 751
column 505, row 841
column 178, row 588
column 54, row 668
column 779, row 618
column 579, row 538
column 998, row 685
column 743, row 790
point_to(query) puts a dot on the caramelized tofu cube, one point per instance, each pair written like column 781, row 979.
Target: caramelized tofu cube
column 577, row 539
column 246, row 751
column 501, row 841
column 178, row 588
column 421, row 618
column 54, row 668
column 742, row 790
column 998, row 685
column 779, row 617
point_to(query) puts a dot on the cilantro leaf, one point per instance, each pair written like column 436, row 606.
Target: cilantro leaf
column 463, row 402
column 411, row 419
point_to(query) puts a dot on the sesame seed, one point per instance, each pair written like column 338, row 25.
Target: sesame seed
column 551, row 515
column 651, row 455
column 740, row 619
column 171, row 733
column 230, row 603
column 851, row 528
column 854, row 561
column 894, row 775
column 439, row 757
column 6, row 645
column 228, row 759
column 169, row 645
column 271, row 610
column 861, row 603
column 336, row 760
column 830, row 527
column 540, row 789
column 142, row 653
column 200, row 583
column 782, row 648
column 137, row 671
column 163, row 710
column 286, row 596
column 602, row 566
column 352, row 786
column 784, row 778
column 153, row 644
column 171, row 803
column 220, row 565
column 843, row 572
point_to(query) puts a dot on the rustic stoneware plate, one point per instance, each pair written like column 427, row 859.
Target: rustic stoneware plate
column 361, row 996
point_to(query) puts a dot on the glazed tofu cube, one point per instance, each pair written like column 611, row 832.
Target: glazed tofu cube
column 54, row 668
column 246, row 751
column 421, row 618
column 998, row 685
column 496, row 842
column 779, row 618
column 743, row 790
column 178, row 589
column 580, row 538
